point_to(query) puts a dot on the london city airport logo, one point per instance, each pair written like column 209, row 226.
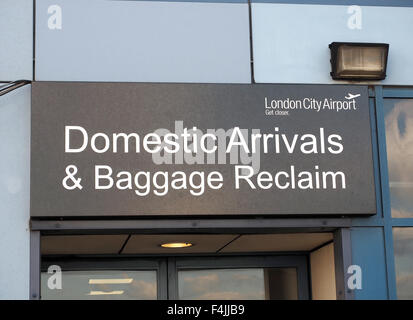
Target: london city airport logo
column 283, row 106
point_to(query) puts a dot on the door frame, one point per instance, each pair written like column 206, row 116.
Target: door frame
column 167, row 267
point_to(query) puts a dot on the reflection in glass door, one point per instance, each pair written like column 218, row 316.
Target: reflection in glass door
column 101, row 285
column 238, row 284
column 103, row 279
column 232, row 278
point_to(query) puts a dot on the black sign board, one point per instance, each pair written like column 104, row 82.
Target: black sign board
column 136, row 149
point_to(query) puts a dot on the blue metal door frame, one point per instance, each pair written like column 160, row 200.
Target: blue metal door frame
column 383, row 219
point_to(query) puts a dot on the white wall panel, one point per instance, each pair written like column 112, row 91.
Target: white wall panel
column 142, row 41
column 16, row 40
column 15, row 194
column 323, row 277
column 290, row 42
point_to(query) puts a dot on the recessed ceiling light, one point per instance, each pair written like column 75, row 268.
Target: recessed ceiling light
column 176, row 245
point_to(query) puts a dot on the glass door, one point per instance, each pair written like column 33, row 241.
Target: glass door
column 103, row 279
column 195, row 278
column 238, row 278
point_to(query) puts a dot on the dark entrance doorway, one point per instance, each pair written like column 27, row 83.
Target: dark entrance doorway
column 255, row 277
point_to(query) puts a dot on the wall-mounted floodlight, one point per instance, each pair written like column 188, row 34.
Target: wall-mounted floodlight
column 358, row 61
